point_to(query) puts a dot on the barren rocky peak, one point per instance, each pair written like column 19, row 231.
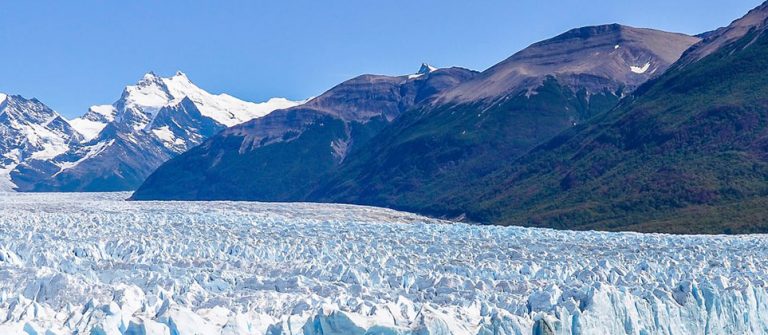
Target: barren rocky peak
column 585, row 57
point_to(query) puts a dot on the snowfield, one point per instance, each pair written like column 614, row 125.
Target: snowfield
column 94, row 264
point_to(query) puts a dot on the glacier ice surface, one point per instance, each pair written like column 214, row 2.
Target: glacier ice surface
column 95, row 264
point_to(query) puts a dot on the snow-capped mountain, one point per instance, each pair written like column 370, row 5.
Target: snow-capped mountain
column 30, row 130
column 140, row 103
column 92, row 122
column 120, row 144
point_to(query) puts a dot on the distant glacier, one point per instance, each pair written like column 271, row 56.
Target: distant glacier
column 95, row 264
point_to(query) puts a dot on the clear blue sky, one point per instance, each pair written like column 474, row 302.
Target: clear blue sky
column 73, row 54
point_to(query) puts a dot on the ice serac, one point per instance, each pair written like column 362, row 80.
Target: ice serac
column 277, row 156
column 29, row 130
column 153, row 121
column 95, row 264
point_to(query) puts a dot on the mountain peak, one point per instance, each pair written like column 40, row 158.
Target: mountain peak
column 149, row 79
column 426, row 69
column 150, row 76
column 591, row 31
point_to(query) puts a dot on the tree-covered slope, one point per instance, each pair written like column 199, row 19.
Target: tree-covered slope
column 687, row 154
column 426, row 154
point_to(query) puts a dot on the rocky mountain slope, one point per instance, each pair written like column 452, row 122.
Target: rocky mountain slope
column 276, row 157
column 687, row 154
column 595, row 59
column 120, row 144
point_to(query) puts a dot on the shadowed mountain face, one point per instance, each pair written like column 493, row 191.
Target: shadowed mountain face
column 485, row 124
column 687, row 154
column 399, row 141
column 279, row 156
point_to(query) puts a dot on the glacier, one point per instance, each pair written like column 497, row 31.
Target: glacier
column 96, row 264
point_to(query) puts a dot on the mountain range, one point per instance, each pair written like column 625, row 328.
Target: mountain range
column 114, row 147
column 605, row 127
column 439, row 138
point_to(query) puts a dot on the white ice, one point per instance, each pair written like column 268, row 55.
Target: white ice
column 88, row 128
column 94, row 264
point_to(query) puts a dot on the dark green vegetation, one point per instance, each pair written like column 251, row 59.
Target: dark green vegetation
column 427, row 154
column 688, row 154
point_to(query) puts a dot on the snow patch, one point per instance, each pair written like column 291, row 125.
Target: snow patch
column 165, row 134
column 105, row 112
column 90, row 152
column 89, row 129
column 6, row 183
column 51, row 143
column 640, row 70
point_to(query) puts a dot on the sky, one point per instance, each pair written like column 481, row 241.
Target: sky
column 74, row 54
